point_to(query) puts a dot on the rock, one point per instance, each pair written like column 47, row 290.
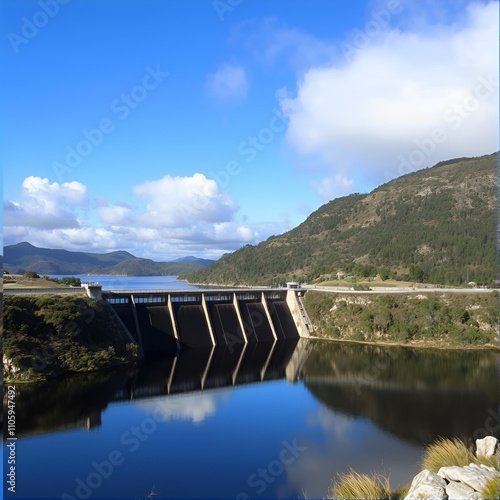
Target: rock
column 426, row 484
column 459, row 491
column 486, row 447
column 487, row 467
column 474, row 477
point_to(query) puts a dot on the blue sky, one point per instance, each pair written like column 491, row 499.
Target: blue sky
column 171, row 128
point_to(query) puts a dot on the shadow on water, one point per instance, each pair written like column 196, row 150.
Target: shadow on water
column 414, row 394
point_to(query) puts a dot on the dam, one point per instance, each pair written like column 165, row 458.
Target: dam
column 173, row 319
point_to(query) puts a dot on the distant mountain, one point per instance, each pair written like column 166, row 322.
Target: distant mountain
column 24, row 256
column 195, row 260
column 435, row 225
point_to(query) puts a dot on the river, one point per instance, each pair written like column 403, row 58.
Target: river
column 265, row 421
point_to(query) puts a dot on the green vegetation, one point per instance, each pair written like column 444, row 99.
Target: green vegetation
column 448, row 452
column 436, row 225
column 24, row 256
column 492, row 489
column 374, row 486
column 49, row 335
column 458, row 319
column 31, row 274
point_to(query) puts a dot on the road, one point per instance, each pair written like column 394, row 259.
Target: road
column 380, row 289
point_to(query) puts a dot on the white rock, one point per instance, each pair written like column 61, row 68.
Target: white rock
column 427, row 491
column 487, row 467
column 475, row 477
column 426, row 484
column 459, row 491
column 486, row 447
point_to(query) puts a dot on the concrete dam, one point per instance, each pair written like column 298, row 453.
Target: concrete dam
column 173, row 319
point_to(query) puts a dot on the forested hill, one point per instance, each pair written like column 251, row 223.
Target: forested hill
column 24, row 256
column 436, row 225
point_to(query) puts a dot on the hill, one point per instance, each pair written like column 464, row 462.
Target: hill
column 434, row 225
column 24, row 256
column 194, row 260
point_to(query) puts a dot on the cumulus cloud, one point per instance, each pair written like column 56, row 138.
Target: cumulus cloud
column 404, row 102
column 228, row 83
column 170, row 217
column 174, row 200
column 46, row 206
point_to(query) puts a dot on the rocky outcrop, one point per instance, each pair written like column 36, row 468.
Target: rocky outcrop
column 426, row 484
column 457, row 483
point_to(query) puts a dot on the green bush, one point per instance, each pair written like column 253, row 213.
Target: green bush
column 31, row 274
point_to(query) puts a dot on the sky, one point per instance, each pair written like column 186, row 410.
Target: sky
column 172, row 128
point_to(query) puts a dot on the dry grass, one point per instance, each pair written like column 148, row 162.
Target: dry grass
column 492, row 489
column 354, row 485
column 447, row 452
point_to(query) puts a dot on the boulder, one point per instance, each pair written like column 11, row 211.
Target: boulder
column 474, row 477
column 486, row 447
column 426, row 484
column 459, row 491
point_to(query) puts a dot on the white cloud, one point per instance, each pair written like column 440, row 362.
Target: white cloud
column 394, row 94
column 173, row 201
column 172, row 217
column 46, row 206
column 330, row 188
column 228, row 83
column 195, row 407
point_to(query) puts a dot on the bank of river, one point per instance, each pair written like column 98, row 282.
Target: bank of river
column 426, row 319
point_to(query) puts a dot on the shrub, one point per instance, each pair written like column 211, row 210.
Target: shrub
column 355, row 485
column 132, row 349
column 30, row 274
column 447, row 452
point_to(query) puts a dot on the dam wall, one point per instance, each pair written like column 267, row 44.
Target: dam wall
column 166, row 320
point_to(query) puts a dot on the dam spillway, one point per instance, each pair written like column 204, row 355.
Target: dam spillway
column 172, row 319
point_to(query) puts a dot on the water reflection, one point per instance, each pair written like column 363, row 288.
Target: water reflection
column 415, row 394
column 212, row 418
column 78, row 401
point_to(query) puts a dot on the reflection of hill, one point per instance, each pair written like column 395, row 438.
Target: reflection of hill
column 75, row 401
column 78, row 401
column 415, row 394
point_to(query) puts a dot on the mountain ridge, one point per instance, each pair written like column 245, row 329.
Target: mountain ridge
column 24, row 256
column 433, row 225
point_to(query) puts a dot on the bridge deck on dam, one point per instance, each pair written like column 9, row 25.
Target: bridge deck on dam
column 170, row 319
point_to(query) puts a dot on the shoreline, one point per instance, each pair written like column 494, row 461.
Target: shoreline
column 416, row 346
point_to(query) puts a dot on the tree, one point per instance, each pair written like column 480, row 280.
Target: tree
column 71, row 281
column 384, row 273
column 30, row 274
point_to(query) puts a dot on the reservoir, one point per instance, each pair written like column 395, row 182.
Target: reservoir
column 268, row 420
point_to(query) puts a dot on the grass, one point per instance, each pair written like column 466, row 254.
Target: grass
column 442, row 453
column 492, row 489
column 447, row 452
column 374, row 486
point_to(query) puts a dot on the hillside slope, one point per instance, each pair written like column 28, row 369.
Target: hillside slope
column 24, row 256
column 435, row 225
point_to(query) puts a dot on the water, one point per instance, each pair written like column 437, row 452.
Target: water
column 264, row 421
column 133, row 282
column 299, row 412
